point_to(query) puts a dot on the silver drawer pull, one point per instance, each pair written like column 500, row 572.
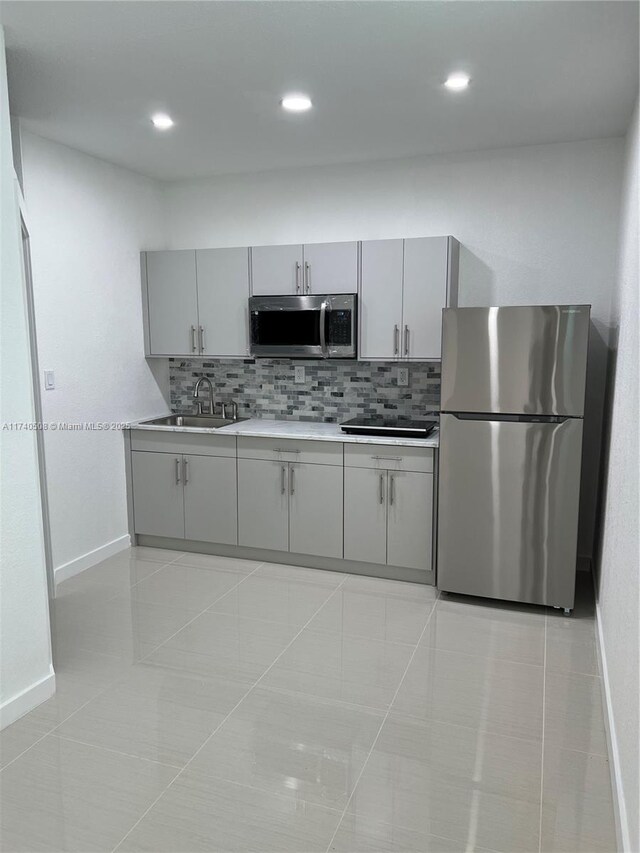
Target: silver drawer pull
column 185, row 470
column 381, row 488
column 284, row 450
column 292, row 490
column 283, row 480
column 389, row 458
column 391, row 490
column 178, row 470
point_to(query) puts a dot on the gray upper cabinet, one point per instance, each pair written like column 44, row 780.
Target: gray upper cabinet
column 405, row 284
column 381, row 299
column 171, row 303
column 427, row 289
column 276, row 270
column 315, row 509
column 330, row 268
column 223, row 294
column 158, row 498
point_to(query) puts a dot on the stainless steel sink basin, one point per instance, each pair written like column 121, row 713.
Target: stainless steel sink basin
column 197, row 421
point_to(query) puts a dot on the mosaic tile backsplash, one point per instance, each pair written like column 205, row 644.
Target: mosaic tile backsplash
column 332, row 390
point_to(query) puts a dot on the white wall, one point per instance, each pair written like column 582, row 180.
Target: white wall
column 619, row 564
column 537, row 225
column 26, row 674
column 89, row 221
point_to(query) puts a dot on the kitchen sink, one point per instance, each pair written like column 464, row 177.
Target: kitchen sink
column 197, row 421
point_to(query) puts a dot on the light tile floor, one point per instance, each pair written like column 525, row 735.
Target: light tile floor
column 210, row 704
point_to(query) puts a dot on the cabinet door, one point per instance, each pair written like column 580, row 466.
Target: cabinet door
column 263, row 504
column 381, row 299
column 365, row 515
column 276, row 270
column 210, row 499
column 223, row 301
column 315, row 509
column 158, row 500
column 331, row 268
column 409, row 522
column 172, row 302
column 424, row 296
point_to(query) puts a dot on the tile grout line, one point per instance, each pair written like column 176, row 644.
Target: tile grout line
column 384, row 719
column 224, row 720
column 118, row 678
column 199, row 614
column 544, row 703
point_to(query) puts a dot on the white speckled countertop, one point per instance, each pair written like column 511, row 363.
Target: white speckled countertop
column 315, row 430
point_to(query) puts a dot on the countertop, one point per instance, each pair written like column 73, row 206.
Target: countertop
column 314, row 430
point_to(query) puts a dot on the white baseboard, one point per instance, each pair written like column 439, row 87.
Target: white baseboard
column 27, row 700
column 620, row 808
column 92, row 558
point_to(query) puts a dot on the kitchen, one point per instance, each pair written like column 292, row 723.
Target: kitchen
column 293, row 572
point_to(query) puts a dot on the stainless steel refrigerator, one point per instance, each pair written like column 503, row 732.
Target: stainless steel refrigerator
column 512, row 407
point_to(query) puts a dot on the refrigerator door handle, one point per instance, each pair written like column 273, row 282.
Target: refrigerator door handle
column 523, row 419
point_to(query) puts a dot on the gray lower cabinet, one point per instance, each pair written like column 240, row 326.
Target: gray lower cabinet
column 315, row 509
column 185, row 496
column 210, row 504
column 263, row 504
column 158, row 494
column 388, row 517
column 286, row 506
column 365, row 515
column 409, row 514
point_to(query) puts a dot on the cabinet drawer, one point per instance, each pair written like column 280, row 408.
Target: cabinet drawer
column 183, row 442
column 290, row 450
column 389, row 457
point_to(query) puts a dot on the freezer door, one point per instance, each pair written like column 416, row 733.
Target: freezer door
column 515, row 360
column 508, row 509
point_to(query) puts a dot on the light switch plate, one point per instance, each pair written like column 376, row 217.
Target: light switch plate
column 299, row 373
column 403, row 376
column 49, row 380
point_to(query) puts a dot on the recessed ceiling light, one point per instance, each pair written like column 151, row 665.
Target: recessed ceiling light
column 161, row 121
column 457, row 82
column 296, row 103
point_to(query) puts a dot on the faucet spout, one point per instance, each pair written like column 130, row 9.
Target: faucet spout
column 196, row 396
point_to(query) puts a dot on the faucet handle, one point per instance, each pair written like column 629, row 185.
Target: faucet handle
column 234, row 410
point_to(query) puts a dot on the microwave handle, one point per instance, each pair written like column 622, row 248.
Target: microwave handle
column 323, row 328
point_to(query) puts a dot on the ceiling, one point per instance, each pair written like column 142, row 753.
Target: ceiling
column 89, row 74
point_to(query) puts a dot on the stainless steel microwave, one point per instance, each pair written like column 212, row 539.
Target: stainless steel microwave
column 304, row 326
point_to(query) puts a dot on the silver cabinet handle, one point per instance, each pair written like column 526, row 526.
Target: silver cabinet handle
column 178, row 470
column 406, row 340
column 389, row 458
column 201, row 331
column 284, row 450
column 291, row 481
column 297, row 276
column 396, row 340
column 283, row 480
column 391, row 489
column 194, row 345
column 307, row 277
column 185, row 469
column 381, row 488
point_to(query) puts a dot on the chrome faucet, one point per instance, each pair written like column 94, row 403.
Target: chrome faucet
column 196, row 397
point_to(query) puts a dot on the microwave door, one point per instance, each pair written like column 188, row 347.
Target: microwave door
column 287, row 331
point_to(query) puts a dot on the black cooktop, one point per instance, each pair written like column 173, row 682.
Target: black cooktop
column 386, row 425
